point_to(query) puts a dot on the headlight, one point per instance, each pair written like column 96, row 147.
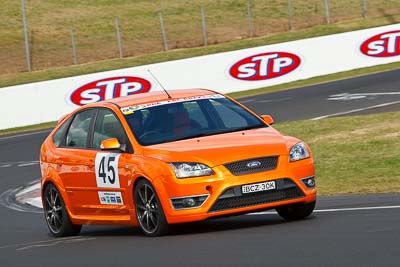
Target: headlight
column 190, row 169
column 298, row 151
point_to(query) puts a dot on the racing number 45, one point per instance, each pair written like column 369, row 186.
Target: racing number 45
column 103, row 174
column 106, row 167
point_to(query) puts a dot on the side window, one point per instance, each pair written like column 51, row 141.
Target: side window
column 108, row 126
column 232, row 118
column 78, row 131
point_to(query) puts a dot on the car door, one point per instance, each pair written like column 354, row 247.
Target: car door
column 95, row 180
column 75, row 161
column 111, row 168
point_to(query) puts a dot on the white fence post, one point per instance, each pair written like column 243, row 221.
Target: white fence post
column 328, row 19
column 118, row 38
column 249, row 19
column 163, row 33
column 27, row 50
column 364, row 8
column 203, row 26
column 290, row 15
column 74, row 54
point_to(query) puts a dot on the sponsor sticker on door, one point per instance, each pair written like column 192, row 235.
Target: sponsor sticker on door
column 110, row 198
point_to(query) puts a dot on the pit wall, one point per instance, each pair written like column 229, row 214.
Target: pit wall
column 226, row 72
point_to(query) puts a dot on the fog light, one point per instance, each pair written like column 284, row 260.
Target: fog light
column 188, row 202
column 309, row 182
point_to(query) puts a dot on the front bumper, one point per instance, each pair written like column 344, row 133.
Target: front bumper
column 226, row 197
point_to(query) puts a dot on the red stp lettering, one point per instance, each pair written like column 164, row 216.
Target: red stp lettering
column 382, row 45
column 265, row 66
column 109, row 88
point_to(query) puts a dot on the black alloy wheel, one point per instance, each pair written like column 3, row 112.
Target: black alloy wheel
column 56, row 215
column 149, row 212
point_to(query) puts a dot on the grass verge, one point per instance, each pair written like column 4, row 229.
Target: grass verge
column 98, row 66
column 353, row 155
column 49, row 23
column 29, row 128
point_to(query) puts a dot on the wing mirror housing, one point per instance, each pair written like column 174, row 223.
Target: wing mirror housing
column 112, row 144
column 268, row 119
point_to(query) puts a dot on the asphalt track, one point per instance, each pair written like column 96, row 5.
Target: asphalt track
column 344, row 231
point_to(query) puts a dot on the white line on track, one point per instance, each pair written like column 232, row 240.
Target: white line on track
column 338, row 210
column 247, row 101
column 25, row 134
column 356, row 110
column 27, row 164
column 361, row 208
column 275, row 100
column 5, row 166
column 368, row 94
column 50, row 242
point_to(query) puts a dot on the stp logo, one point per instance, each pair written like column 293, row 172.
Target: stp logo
column 109, row 88
column 382, row 45
column 265, row 66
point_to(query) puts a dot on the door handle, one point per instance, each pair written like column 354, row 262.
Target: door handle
column 91, row 163
column 58, row 161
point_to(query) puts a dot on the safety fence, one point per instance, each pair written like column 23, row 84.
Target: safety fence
column 48, row 33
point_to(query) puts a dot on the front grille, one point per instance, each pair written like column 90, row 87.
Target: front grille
column 233, row 198
column 252, row 165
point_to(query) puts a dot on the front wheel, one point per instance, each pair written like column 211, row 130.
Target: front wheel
column 149, row 212
column 296, row 211
column 56, row 214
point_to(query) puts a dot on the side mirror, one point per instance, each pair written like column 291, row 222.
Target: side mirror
column 111, row 144
column 268, row 119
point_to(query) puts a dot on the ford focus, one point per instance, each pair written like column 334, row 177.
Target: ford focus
column 156, row 159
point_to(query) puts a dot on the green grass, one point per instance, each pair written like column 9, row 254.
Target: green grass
column 28, row 128
column 7, row 79
column 353, row 155
column 49, row 23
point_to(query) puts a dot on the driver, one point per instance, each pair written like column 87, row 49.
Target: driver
column 135, row 121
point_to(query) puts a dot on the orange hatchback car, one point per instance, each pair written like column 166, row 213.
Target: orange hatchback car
column 156, row 159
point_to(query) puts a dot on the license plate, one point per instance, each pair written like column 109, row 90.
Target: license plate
column 252, row 188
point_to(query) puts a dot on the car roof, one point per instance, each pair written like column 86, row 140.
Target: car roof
column 142, row 98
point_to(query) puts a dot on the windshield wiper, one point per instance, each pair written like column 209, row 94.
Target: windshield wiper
column 249, row 127
column 215, row 132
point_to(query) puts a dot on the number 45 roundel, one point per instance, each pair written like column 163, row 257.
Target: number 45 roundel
column 106, row 167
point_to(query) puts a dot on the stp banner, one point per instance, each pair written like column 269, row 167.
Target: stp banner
column 226, row 72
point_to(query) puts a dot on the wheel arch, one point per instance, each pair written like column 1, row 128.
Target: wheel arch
column 158, row 187
column 56, row 181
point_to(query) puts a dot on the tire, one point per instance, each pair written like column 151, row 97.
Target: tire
column 56, row 215
column 296, row 211
column 149, row 212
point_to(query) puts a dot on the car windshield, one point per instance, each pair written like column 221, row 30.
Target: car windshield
column 179, row 119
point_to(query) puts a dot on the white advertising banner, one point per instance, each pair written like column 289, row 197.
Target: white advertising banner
column 226, row 72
